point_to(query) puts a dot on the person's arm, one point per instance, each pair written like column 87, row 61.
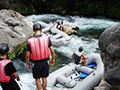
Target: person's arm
column 72, row 57
column 15, row 74
column 61, row 26
column 10, row 70
column 52, row 62
column 27, row 60
column 53, row 25
column 83, row 57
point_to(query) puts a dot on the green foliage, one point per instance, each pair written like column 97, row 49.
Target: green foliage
column 26, row 10
column 23, row 8
column 63, row 12
column 18, row 51
column 52, row 10
column 11, row 56
column 76, row 12
column 34, row 11
column 71, row 7
column 22, row 47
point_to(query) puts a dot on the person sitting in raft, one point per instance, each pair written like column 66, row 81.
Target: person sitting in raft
column 78, row 57
column 59, row 24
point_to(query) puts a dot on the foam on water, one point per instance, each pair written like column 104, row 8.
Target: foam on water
column 75, row 43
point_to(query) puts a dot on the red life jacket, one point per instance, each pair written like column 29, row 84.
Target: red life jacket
column 39, row 48
column 3, row 77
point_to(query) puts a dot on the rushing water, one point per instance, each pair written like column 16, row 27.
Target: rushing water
column 89, row 28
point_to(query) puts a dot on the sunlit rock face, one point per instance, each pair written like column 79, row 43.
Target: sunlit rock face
column 14, row 30
column 109, row 43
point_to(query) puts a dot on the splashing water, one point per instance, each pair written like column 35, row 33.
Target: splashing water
column 75, row 43
column 88, row 26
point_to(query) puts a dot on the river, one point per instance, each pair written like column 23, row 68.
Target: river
column 87, row 36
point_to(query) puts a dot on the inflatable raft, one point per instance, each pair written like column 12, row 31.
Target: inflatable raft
column 77, row 77
column 57, row 37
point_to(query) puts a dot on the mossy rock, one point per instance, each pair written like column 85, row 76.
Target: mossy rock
column 19, row 50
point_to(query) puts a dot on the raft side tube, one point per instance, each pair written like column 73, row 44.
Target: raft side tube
column 57, row 36
column 84, row 69
column 46, row 29
column 43, row 24
column 66, row 81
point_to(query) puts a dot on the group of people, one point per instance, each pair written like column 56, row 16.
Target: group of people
column 39, row 49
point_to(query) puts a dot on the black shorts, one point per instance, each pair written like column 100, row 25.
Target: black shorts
column 40, row 69
column 76, row 61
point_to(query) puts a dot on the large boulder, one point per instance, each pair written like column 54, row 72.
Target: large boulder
column 14, row 30
column 109, row 43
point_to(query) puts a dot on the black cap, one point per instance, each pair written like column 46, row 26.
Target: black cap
column 3, row 50
column 37, row 26
column 80, row 48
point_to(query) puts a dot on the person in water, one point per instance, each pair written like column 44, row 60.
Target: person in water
column 78, row 57
column 38, row 51
column 59, row 24
column 8, row 73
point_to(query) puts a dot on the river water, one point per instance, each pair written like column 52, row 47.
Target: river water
column 87, row 36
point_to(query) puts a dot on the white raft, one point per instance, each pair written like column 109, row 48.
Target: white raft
column 57, row 37
column 77, row 77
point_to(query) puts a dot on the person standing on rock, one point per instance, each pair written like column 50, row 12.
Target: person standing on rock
column 38, row 51
column 7, row 71
column 59, row 24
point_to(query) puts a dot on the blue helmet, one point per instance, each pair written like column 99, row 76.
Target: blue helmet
column 37, row 26
column 59, row 21
column 3, row 50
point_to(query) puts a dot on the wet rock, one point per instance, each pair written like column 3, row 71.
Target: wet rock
column 14, row 29
column 102, row 86
column 109, row 43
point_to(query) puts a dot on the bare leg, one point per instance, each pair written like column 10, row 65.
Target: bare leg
column 84, row 61
column 38, row 83
column 44, row 83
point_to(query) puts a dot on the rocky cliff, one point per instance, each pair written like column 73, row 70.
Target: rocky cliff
column 109, row 43
column 14, row 29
